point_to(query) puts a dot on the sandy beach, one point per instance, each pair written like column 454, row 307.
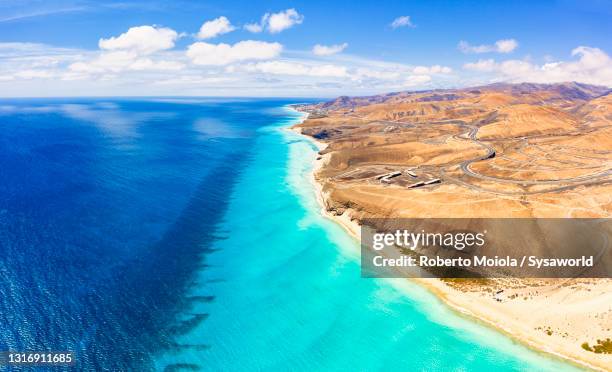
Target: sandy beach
column 549, row 316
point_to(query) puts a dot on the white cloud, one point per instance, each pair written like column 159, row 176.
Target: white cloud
column 500, row 46
column 296, row 69
column 108, row 61
column 141, row 39
column 328, row 71
column 202, row 53
column 34, row 74
column 352, row 72
column 592, row 66
column 403, row 21
column 36, row 54
column 120, row 61
column 377, row 74
column 171, row 73
column 280, row 21
column 276, row 22
column 253, row 27
column 8, row 49
column 363, row 73
column 415, row 80
column 32, row 61
column 435, row 69
column 254, row 68
column 214, row 28
column 483, row 65
column 132, row 50
column 328, row 50
column 506, row 45
column 148, row 64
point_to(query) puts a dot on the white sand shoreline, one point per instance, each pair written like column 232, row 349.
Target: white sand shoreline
column 456, row 300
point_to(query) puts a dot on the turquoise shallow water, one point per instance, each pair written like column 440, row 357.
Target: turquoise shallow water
column 281, row 290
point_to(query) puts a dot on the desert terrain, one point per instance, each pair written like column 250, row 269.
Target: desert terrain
column 502, row 150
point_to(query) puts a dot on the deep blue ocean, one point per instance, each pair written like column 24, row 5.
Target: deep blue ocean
column 183, row 234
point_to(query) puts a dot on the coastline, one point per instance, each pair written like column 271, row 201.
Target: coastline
column 472, row 306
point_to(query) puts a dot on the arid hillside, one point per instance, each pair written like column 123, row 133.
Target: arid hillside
column 500, row 150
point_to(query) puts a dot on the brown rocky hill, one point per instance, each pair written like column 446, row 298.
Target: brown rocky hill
column 525, row 92
column 497, row 150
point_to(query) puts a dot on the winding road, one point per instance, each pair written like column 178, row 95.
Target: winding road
column 465, row 166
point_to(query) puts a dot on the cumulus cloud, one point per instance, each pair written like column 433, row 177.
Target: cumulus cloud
column 214, row 28
column 280, row 21
column 141, row 39
column 500, row 46
column 202, row 53
column 506, row 45
column 403, row 21
column 592, row 66
column 328, row 50
column 132, row 50
column 276, row 22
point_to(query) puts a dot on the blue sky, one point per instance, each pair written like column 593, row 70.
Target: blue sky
column 153, row 47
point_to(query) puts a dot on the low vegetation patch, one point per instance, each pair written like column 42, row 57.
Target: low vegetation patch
column 601, row 347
